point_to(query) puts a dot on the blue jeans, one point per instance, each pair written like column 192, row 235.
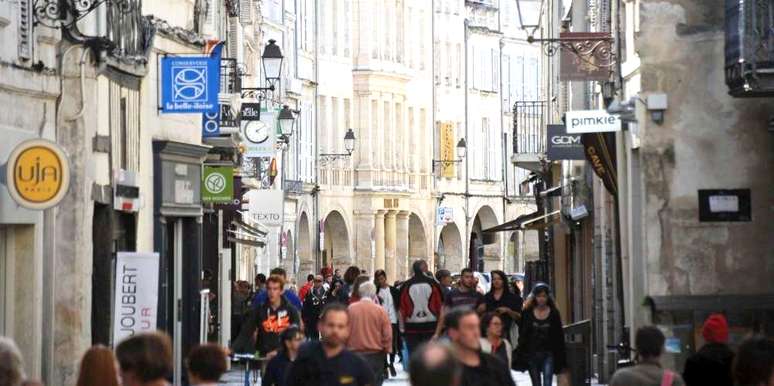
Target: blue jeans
column 541, row 362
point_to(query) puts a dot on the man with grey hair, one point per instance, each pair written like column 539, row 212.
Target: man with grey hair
column 434, row 364
column 11, row 366
column 370, row 330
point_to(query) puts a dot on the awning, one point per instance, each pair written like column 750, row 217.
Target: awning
column 248, row 228
column 252, row 243
column 526, row 221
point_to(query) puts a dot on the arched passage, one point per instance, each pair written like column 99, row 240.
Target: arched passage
column 485, row 218
column 417, row 243
column 336, row 249
column 450, row 249
column 304, row 246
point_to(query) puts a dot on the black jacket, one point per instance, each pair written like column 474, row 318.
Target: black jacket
column 711, row 365
column 491, row 372
column 555, row 339
column 312, row 368
column 271, row 323
column 313, row 305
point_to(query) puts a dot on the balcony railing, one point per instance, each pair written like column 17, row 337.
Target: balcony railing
column 529, row 136
column 750, row 47
column 230, row 76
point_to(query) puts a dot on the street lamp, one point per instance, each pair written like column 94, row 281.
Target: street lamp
column 349, row 146
column 286, row 120
column 462, row 147
column 272, row 62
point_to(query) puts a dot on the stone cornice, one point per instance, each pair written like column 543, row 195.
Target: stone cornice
column 178, row 34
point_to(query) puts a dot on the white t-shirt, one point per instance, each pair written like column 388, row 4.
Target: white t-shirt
column 387, row 303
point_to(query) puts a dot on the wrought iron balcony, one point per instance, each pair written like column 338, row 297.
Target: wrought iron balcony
column 529, row 134
column 230, row 76
column 750, row 48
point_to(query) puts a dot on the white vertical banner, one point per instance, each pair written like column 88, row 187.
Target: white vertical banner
column 136, row 294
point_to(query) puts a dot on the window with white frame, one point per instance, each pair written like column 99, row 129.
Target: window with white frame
column 306, row 143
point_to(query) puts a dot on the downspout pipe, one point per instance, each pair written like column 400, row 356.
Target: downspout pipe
column 466, row 246
column 316, row 189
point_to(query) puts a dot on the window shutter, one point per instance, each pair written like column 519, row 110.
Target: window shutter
column 231, row 40
column 245, row 12
column 25, row 29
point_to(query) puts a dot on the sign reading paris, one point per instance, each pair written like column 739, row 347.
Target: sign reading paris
column 189, row 84
column 38, row 174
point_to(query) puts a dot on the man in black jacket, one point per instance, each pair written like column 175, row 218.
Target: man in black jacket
column 274, row 317
column 712, row 364
column 314, row 302
column 478, row 368
column 421, row 300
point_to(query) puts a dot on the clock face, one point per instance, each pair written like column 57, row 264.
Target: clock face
column 256, row 132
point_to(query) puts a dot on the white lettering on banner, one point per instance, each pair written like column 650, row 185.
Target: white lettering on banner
column 565, row 139
column 136, row 294
column 591, row 121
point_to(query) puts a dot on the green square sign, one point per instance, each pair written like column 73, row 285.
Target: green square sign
column 217, row 184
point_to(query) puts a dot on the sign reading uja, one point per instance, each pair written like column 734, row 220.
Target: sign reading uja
column 591, row 121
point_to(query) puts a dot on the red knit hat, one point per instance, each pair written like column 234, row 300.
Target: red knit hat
column 715, row 329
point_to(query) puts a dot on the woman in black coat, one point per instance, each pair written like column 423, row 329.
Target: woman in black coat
column 541, row 338
column 504, row 303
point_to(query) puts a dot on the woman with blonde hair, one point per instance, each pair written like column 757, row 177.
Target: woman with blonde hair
column 98, row 368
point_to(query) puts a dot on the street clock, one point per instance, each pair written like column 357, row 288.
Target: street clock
column 256, row 131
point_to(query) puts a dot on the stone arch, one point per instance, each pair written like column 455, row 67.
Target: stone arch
column 450, row 252
column 304, row 246
column 481, row 244
column 417, row 243
column 337, row 245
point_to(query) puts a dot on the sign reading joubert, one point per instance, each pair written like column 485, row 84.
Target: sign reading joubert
column 38, row 174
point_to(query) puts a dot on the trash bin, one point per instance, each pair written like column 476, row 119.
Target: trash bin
column 578, row 342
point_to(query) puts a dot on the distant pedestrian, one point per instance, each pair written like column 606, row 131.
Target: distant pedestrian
column 206, row 364
column 649, row 342
column 327, row 362
column 541, row 337
column 465, row 296
column 389, row 298
column 712, row 363
column 291, row 296
column 145, row 359
column 260, row 283
column 350, row 275
column 277, row 367
column 11, row 364
column 327, row 274
column 274, row 317
column 307, row 286
column 505, row 304
column 478, row 368
column 370, row 331
column 314, row 302
column 492, row 341
column 433, row 364
column 98, row 368
column 445, row 280
column 754, row 364
column 421, row 300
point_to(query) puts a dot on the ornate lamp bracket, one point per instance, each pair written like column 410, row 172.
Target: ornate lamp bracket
column 593, row 49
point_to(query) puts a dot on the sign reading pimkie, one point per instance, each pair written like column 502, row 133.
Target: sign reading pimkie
column 591, row 121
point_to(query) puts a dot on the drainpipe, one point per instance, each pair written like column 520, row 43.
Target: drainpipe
column 466, row 246
column 436, row 238
column 316, row 189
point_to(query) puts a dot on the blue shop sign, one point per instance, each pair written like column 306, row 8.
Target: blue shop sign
column 189, row 84
column 211, row 124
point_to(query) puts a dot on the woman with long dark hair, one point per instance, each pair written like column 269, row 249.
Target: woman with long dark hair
column 541, row 338
column 492, row 337
column 291, row 340
column 503, row 302
column 350, row 275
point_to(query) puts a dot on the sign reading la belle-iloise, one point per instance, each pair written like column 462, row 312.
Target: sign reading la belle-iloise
column 189, row 84
column 591, row 121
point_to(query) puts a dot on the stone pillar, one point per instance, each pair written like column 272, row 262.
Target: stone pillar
column 390, row 238
column 364, row 223
column 378, row 234
column 402, row 249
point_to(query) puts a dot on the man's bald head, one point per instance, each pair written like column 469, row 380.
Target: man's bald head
column 434, row 365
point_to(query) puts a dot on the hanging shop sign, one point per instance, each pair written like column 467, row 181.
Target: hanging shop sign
column 190, row 84
column 126, row 191
column 228, row 118
column 444, row 215
column 725, row 205
column 217, row 184
column 586, row 56
column 37, row 174
column 260, row 136
column 250, row 112
column 563, row 146
column 136, row 294
column 447, row 149
column 266, row 206
column 600, row 152
column 591, row 121
column 211, row 124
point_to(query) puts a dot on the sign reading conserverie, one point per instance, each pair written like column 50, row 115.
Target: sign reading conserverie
column 37, row 174
column 591, row 121
column 189, row 84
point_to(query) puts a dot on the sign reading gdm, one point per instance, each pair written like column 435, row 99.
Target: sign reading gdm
column 591, row 121
column 38, row 174
column 217, row 184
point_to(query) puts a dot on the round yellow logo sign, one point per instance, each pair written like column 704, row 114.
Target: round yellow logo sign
column 38, row 174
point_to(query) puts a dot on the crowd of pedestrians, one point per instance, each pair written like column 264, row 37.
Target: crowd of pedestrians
column 353, row 330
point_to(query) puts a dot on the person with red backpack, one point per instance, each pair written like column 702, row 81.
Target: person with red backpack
column 649, row 343
column 421, row 300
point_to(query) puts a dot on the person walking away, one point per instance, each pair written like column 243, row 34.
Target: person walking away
column 274, row 317
column 754, row 364
column 445, row 280
column 712, row 363
column 421, row 301
column 275, row 370
column 98, row 368
column 478, row 368
column 239, row 306
column 260, row 285
column 465, row 297
column 389, row 297
column 505, row 304
column 434, row 364
column 354, row 295
column 370, row 331
column 350, row 275
column 493, row 341
column 649, row 342
column 306, row 287
column 327, row 362
column 206, row 364
column 145, row 359
column 11, row 364
column 314, row 302
column 541, row 338
column 291, row 296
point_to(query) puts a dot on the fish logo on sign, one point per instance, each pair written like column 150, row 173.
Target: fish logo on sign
column 189, row 83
